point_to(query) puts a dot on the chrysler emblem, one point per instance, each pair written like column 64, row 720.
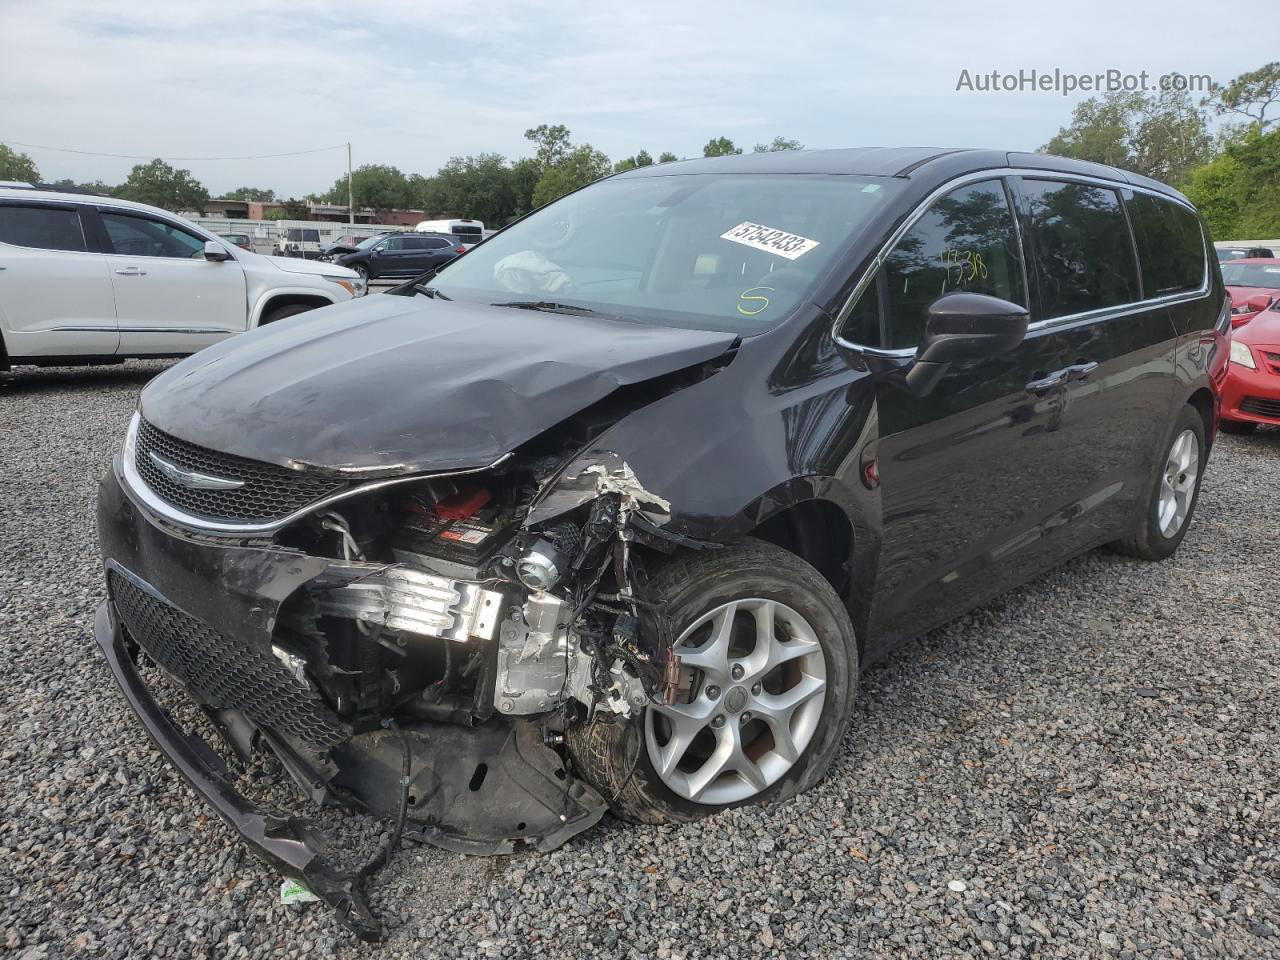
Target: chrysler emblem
column 191, row 479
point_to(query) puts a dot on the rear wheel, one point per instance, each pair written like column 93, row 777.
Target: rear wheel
column 1172, row 502
column 768, row 668
column 1240, row 427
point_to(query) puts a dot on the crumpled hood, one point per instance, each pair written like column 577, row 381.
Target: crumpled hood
column 390, row 384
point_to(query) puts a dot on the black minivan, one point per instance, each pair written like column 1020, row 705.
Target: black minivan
column 612, row 511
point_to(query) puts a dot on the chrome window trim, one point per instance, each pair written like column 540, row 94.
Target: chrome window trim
column 139, row 491
column 1001, row 173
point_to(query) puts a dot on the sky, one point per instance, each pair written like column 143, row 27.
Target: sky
column 413, row 84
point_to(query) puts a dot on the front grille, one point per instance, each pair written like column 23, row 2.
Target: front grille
column 1261, row 406
column 269, row 493
column 221, row 672
column 1272, row 361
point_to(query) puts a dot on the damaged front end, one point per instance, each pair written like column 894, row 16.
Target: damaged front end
column 416, row 649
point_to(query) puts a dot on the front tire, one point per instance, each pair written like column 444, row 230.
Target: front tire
column 1172, row 501
column 361, row 269
column 769, row 667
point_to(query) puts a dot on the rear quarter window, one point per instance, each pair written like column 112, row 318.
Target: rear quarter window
column 44, row 228
column 1083, row 251
column 1171, row 247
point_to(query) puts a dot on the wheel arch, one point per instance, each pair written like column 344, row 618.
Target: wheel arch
column 818, row 532
column 274, row 301
column 1203, row 400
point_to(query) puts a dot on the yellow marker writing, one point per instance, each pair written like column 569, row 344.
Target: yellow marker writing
column 763, row 300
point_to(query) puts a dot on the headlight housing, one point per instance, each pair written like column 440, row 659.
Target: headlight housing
column 353, row 285
column 1241, row 354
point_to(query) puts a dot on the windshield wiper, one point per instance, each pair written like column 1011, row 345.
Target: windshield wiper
column 418, row 285
column 551, row 306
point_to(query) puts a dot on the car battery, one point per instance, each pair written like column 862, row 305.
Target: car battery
column 470, row 541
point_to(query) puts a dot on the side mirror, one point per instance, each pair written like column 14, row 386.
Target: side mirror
column 960, row 327
column 1259, row 303
column 215, row 251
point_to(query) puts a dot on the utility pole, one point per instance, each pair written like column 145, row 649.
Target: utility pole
column 351, row 207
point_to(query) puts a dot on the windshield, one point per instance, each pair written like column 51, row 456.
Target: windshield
column 1252, row 275
column 720, row 252
column 368, row 242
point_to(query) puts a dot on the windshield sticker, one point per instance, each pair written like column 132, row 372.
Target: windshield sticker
column 778, row 242
column 750, row 297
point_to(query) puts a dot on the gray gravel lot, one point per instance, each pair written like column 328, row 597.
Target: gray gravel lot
column 1087, row 767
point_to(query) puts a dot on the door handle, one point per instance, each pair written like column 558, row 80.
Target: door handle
column 131, row 272
column 1080, row 371
column 1047, row 384
column 1075, row 373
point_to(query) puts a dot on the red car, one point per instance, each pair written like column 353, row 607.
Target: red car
column 1253, row 283
column 1250, row 389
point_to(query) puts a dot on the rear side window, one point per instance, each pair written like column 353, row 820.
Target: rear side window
column 964, row 241
column 1084, row 255
column 45, row 228
column 1170, row 245
column 139, row 237
column 435, row 243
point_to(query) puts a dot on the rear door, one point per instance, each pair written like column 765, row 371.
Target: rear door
column 971, row 486
column 169, row 298
column 55, row 290
column 439, row 251
column 1110, row 399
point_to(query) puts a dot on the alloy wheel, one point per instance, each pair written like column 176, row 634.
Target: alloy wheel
column 758, row 678
column 1178, row 484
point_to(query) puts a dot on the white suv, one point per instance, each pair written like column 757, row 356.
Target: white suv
column 88, row 279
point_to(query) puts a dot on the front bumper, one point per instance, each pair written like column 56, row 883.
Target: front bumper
column 1241, row 385
column 286, row 843
column 211, row 606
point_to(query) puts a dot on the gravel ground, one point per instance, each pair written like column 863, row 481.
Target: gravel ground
column 1087, row 767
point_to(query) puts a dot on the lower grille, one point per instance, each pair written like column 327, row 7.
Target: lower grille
column 1261, row 407
column 223, row 673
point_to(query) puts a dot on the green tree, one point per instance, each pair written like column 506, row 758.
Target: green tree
column 777, row 145
column 552, row 142
column 641, row 159
column 251, row 194
column 483, row 187
column 1238, row 193
column 160, row 185
column 374, row 186
column 17, row 166
column 1249, row 95
column 1099, row 130
column 720, row 147
column 1170, row 137
column 1163, row 136
column 96, row 187
column 580, row 166
column 667, row 157
column 525, row 174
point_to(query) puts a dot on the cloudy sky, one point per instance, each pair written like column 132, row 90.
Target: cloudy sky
column 413, row 84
